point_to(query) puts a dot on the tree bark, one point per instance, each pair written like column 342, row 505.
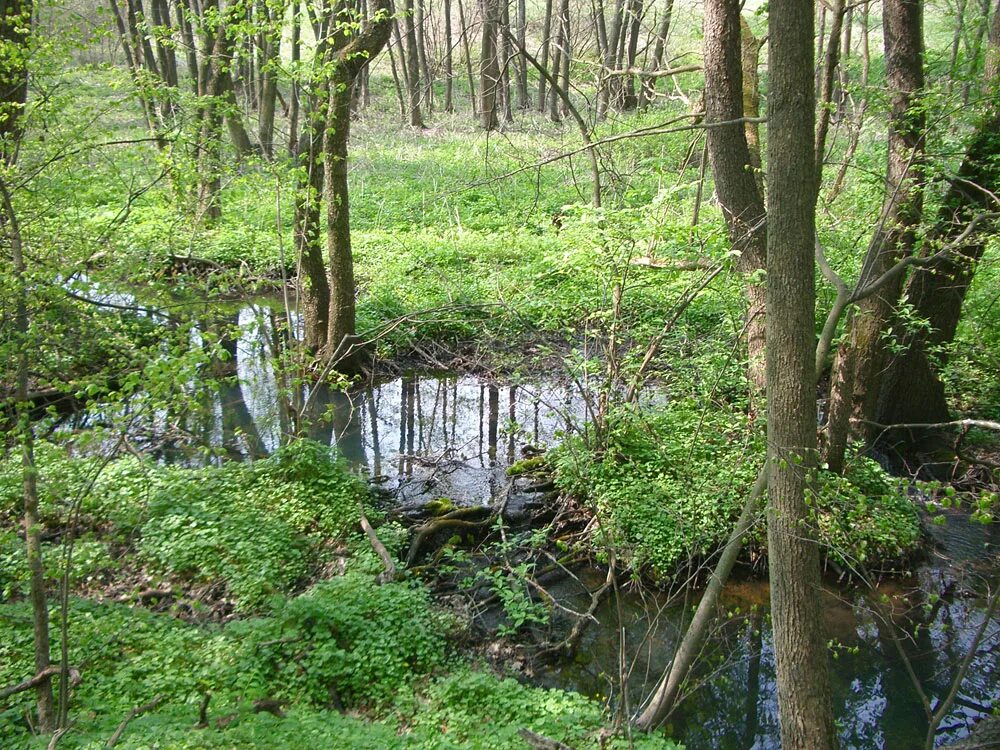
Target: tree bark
column 729, row 154
column 804, row 701
column 449, row 72
column 489, row 68
column 544, row 58
column 648, row 88
column 911, row 390
column 412, row 64
column 271, row 56
column 855, row 395
column 630, row 100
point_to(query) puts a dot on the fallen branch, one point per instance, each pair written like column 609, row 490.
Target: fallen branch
column 390, row 573
column 135, row 712
column 540, row 742
column 46, row 674
column 456, row 519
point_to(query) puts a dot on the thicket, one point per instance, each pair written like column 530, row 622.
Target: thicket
column 669, row 483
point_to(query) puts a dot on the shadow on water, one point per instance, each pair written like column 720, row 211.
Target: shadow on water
column 453, row 435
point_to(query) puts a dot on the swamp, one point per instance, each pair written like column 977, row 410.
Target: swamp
column 509, row 376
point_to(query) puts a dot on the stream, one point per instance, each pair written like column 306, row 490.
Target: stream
column 427, row 435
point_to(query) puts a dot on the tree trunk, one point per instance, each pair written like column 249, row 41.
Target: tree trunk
column 341, row 318
column 804, row 701
column 749, row 59
column 468, row 58
column 729, row 154
column 855, row 396
column 419, row 27
column 523, row 98
column 544, row 60
column 184, row 18
column 313, row 283
column 567, row 52
column 629, row 98
column 271, row 57
column 16, row 27
column 295, row 95
column 648, row 89
column 412, row 61
column 911, row 389
column 489, row 68
column 449, row 73
column 506, row 56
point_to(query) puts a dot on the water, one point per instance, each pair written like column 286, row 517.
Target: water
column 427, row 435
column 735, row 707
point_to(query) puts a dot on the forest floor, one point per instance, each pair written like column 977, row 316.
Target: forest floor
column 245, row 593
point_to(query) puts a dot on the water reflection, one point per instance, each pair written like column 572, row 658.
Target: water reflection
column 734, row 706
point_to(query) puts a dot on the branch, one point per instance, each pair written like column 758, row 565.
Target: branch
column 652, row 73
column 985, row 424
column 46, row 674
column 135, row 712
column 912, row 260
column 946, row 704
column 380, row 550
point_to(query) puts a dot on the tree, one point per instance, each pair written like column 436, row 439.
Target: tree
column 911, row 390
column 489, row 67
column 328, row 295
column 861, row 362
column 732, row 166
column 804, row 703
column 15, row 37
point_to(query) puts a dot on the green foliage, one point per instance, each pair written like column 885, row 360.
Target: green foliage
column 367, row 643
column 346, row 637
column 257, row 527
column 669, row 486
column 864, row 516
column 460, row 705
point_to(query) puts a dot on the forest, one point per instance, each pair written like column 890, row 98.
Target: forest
column 563, row 375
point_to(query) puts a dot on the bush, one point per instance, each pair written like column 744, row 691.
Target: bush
column 668, row 488
column 346, row 637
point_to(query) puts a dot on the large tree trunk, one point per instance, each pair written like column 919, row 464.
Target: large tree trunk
column 341, row 318
column 729, row 153
column 804, row 702
column 329, row 300
column 854, row 395
column 313, row 282
column 912, row 391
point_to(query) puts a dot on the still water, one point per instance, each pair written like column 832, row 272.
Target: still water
column 453, row 435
